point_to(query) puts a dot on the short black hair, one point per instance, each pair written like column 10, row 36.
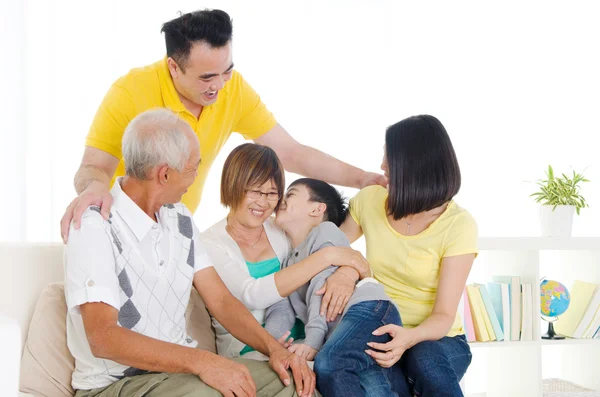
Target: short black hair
column 323, row 192
column 213, row 27
column 423, row 169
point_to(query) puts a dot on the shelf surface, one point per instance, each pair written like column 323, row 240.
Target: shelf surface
column 539, row 243
column 543, row 342
column 569, row 341
column 512, row 343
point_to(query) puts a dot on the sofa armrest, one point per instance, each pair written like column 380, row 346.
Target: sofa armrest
column 10, row 359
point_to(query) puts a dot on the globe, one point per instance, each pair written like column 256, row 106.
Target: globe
column 554, row 298
column 554, row 301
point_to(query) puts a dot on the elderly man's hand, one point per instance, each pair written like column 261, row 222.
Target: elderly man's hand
column 304, row 378
column 94, row 194
column 228, row 377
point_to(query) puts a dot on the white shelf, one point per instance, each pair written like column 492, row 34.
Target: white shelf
column 539, row 243
column 496, row 344
column 568, row 341
column 565, row 259
column 526, row 343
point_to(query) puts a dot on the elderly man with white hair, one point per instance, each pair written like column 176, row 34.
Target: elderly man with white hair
column 128, row 281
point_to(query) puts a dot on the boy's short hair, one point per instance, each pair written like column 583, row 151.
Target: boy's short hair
column 323, row 192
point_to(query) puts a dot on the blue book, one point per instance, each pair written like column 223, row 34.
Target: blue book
column 495, row 292
column 514, row 289
column 491, row 312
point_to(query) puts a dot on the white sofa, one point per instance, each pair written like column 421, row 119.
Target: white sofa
column 32, row 275
column 26, row 269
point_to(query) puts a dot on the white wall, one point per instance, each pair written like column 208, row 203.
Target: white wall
column 516, row 85
column 12, row 121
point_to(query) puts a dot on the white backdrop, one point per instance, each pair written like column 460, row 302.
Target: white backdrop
column 516, row 85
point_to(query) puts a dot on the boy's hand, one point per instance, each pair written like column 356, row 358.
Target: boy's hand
column 304, row 378
column 304, row 351
column 284, row 341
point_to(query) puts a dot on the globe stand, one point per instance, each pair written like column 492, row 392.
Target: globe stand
column 551, row 334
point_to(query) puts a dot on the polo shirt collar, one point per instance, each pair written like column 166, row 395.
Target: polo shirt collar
column 167, row 88
column 137, row 220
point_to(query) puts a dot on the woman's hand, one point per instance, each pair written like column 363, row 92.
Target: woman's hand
column 389, row 353
column 336, row 292
column 346, row 256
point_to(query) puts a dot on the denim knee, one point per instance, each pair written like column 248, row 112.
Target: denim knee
column 323, row 364
column 432, row 366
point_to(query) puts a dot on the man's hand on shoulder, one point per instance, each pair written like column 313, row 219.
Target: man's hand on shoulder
column 94, row 194
column 372, row 178
column 93, row 181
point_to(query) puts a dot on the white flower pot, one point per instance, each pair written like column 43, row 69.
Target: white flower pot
column 557, row 223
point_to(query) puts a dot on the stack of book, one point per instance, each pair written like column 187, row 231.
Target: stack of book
column 501, row 310
column 582, row 318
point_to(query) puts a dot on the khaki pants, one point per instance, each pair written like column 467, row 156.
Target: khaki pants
column 187, row 385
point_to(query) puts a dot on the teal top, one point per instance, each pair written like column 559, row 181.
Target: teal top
column 262, row 269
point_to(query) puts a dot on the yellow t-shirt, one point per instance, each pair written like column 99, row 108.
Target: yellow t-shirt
column 238, row 108
column 409, row 266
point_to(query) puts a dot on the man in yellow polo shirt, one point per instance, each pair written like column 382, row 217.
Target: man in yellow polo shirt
column 195, row 80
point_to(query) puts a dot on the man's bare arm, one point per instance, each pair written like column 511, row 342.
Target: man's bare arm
column 109, row 341
column 313, row 163
column 92, row 182
column 96, row 166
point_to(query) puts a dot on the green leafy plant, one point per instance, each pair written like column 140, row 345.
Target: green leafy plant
column 561, row 190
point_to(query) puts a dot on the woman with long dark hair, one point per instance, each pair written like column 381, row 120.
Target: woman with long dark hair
column 421, row 245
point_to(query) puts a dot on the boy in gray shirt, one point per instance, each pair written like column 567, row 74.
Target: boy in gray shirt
column 310, row 215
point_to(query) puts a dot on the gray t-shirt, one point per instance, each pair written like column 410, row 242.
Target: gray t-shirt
column 303, row 303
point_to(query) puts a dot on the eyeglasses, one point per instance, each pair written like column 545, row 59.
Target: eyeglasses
column 256, row 194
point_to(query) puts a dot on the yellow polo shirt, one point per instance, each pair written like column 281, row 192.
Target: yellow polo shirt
column 238, row 108
column 409, row 266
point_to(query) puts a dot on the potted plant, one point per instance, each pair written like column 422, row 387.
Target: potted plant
column 560, row 198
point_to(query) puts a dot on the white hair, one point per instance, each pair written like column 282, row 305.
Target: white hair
column 153, row 138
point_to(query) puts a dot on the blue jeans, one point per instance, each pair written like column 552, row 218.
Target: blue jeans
column 342, row 366
column 432, row 368
column 428, row 369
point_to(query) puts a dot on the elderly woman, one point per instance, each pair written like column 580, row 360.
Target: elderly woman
column 247, row 248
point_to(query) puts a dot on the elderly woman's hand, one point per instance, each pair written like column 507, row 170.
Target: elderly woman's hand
column 346, row 256
column 336, row 292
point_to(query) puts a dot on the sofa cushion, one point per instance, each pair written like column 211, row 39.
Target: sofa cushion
column 47, row 364
column 199, row 325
